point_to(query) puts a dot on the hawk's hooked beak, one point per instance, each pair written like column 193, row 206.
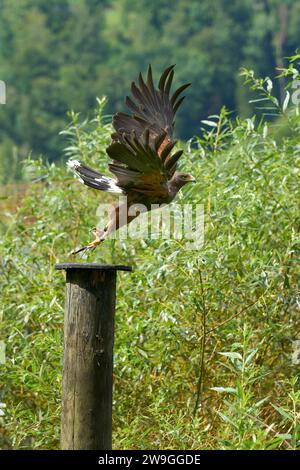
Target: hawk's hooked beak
column 191, row 179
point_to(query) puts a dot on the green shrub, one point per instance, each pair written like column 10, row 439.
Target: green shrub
column 203, row 338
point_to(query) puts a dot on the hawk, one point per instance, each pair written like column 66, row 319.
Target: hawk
column 143, row 161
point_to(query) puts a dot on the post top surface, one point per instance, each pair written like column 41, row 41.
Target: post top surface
column 95, row 266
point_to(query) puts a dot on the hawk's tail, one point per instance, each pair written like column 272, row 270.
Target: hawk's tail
column 93, row 178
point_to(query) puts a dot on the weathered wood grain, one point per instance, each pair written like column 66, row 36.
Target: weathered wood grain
column 88, row 357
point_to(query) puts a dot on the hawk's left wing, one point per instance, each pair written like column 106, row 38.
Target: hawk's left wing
column 138, row 165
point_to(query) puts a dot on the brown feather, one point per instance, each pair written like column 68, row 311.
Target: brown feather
column 153, row 108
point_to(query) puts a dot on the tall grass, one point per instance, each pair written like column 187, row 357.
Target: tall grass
column 203, row 338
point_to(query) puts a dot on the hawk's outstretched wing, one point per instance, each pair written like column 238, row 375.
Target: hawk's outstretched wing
column 154, row 109
column 141, row 153
column 138, row 166
column 142, row 142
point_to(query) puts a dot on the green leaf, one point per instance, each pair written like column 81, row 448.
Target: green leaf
column 232, row 355
column 224, row 389
column 250, row 356
column 269, row 85
column 283, row 412
column 142, row 352
column 210, row 123
column 227, row 419
column 286, row 101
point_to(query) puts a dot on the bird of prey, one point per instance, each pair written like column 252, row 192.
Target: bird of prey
column 143, row 161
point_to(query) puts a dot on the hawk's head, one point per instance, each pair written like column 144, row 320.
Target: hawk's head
column 180, row 179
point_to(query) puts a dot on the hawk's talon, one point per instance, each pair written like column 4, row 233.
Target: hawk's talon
column 94, row 244
column 91, row 246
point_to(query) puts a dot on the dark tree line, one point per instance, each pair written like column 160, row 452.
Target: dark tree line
column 60, row 54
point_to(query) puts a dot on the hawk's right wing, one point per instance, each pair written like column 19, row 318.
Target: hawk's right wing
column 153, row 109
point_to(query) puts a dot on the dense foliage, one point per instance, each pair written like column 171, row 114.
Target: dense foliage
column 204, row 339
column 58, row 55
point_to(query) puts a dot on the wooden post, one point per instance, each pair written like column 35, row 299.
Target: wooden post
column 88, row 356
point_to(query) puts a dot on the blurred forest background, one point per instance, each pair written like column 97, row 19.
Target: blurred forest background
column 59, row 55
column 207, row 348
